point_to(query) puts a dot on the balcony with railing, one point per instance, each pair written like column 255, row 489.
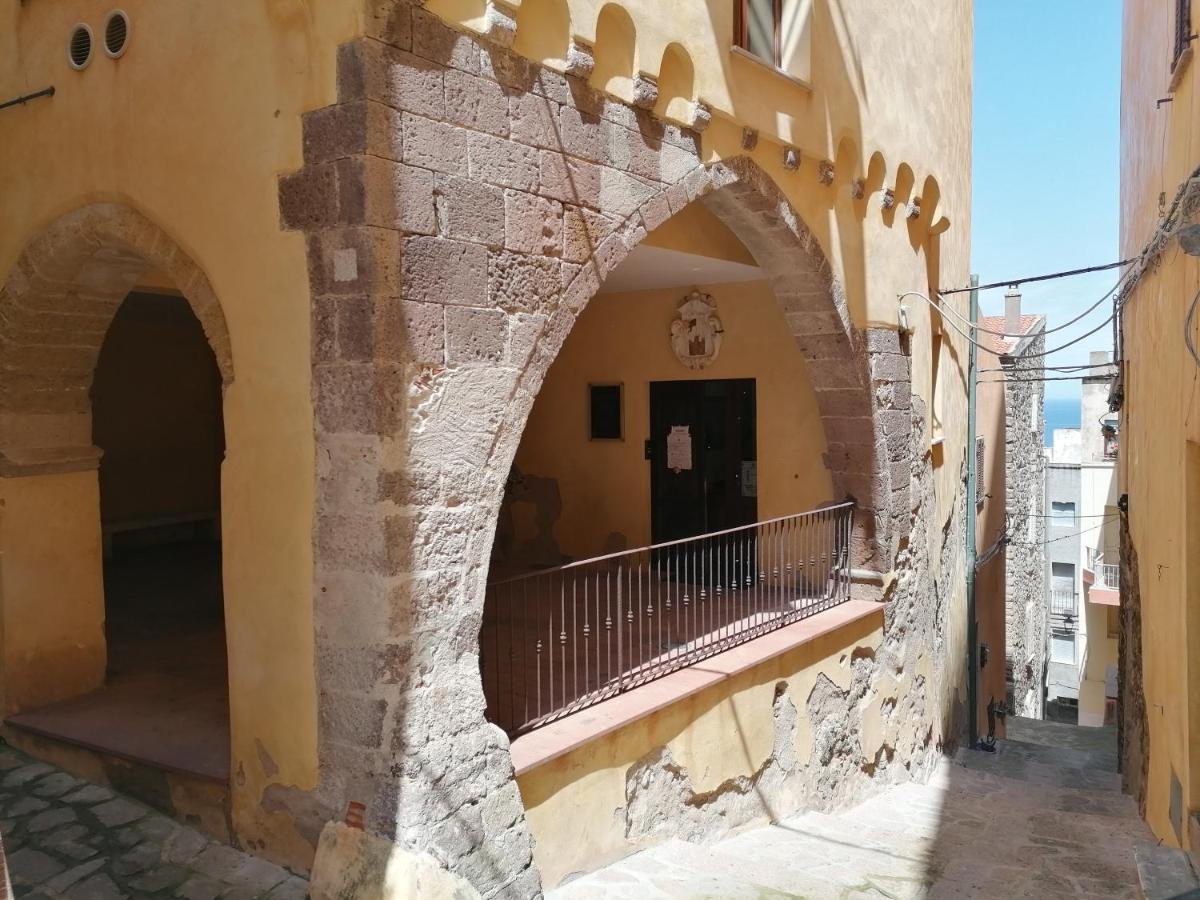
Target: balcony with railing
column 1064, row 610
column 562, row 639
column 1103, row 578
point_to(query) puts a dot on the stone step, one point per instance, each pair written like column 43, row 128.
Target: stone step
column 1069, row 757
column 1013, row 765
column 1165, row 873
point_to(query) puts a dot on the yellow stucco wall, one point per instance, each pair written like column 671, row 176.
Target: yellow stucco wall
column 191, row 127
column 575, row 802
column 605, row 485
column 44, row 625
column 195, row 122
column 1160, row 422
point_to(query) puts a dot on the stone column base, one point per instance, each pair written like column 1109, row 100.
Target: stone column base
column 351, row 863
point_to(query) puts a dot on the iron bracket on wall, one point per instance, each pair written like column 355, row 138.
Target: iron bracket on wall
column 25, row 98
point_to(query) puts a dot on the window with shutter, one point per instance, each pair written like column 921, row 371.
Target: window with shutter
column 979, row 479
column 1183, row 31
column 778, row 32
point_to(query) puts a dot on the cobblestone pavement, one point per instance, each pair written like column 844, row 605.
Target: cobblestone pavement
column 67, row 838
column 1041, row 818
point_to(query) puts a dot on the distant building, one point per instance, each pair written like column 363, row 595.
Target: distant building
column 1024, row 403
column 1082, row 558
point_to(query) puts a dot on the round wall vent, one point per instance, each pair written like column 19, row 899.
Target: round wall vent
column 116, row 33
column 80, row 49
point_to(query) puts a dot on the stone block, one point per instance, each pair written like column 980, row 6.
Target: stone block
column 434, row 145
column 475, row 335
column 360, row 398
column 532, row 224
column 354, row 863
column 438, row 270
column 533, row 119
column 519, row 282
column 476, row 103
column 387, row 194
column 584, row 134
column 434, row 40
column 413, row 331
column 471, row 211
column 368, row 70
column 569, row 180
column 29, row 866
column 645, row 91
column 309, row 199
column 502, row 162
column 581, row 59
column 118, row 811
column 390, row 22
column 354, row 261
column 583, row 232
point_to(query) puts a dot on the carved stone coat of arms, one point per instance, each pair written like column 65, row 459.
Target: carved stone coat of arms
column 696, row 331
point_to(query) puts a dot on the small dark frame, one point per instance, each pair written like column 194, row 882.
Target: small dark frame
column 606, row 412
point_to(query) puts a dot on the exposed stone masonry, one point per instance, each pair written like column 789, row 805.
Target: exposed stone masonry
column 461, row 206
column 1025, row 563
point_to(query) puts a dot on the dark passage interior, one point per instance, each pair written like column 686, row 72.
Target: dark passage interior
column 157, row 415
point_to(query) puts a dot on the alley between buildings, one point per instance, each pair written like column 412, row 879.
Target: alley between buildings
column 1042, row 817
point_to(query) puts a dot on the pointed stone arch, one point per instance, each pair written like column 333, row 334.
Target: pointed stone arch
column 55, row 308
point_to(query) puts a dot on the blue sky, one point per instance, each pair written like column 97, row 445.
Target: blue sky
column 1046, row 132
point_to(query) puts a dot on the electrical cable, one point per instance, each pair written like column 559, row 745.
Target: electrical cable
column 1032, row 278
column 1189, row 339
column 1068, row 536
column 979, row 328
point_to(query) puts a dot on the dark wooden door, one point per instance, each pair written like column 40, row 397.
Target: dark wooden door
column 702, row 479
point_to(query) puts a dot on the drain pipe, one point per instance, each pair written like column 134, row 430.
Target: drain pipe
column 972, row 479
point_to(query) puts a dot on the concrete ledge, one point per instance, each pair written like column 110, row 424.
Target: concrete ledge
column 561, row 737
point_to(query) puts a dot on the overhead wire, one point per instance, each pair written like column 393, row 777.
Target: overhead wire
column 1067, row 536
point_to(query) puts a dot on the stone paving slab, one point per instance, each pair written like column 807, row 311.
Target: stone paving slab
column 65, row 838
column 1027, row 822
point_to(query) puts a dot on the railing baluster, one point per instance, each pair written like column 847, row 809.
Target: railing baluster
column 714, row 591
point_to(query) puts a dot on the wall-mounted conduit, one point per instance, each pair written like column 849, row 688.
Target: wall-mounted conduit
column 25, row 98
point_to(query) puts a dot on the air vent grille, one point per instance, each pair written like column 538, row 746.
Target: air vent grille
column 80, row 50
column 116, row 33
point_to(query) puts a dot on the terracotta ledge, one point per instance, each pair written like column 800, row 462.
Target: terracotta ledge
column 561, row 737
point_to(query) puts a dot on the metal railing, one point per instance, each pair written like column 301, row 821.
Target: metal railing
column 1064, row 609
column 1110, row 575
column 558, row 640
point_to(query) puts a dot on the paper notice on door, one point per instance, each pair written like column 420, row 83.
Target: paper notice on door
column 679, row 448
column 749, row 478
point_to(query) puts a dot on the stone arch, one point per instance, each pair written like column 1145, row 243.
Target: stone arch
column 846, row 365
column 55, row 308
column 434, row 326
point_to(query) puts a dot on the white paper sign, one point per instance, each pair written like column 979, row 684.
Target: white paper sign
column 679, row 448
column 749, row 478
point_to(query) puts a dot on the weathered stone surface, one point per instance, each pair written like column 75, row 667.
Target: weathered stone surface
column 436, row 270
column 471, row 211
column 532, row 224
column 353, row 863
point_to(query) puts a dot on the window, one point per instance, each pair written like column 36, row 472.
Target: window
column 979, row 460
column 1062, row 647
column 1062, row 512
column 1109, row 430
column 1183, row 31
column 605, row 413
column 778, row 32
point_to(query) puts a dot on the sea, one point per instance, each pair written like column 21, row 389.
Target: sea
column 1061, row 412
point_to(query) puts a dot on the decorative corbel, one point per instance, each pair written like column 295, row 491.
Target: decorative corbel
column 699, row 115
column 581, row 59
column 791, row 158
column 887, row 200
column 913, row 210
column 749, row 139
column 645, row 91
column 825, row 172
column 858, row 189
column 500, row 22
